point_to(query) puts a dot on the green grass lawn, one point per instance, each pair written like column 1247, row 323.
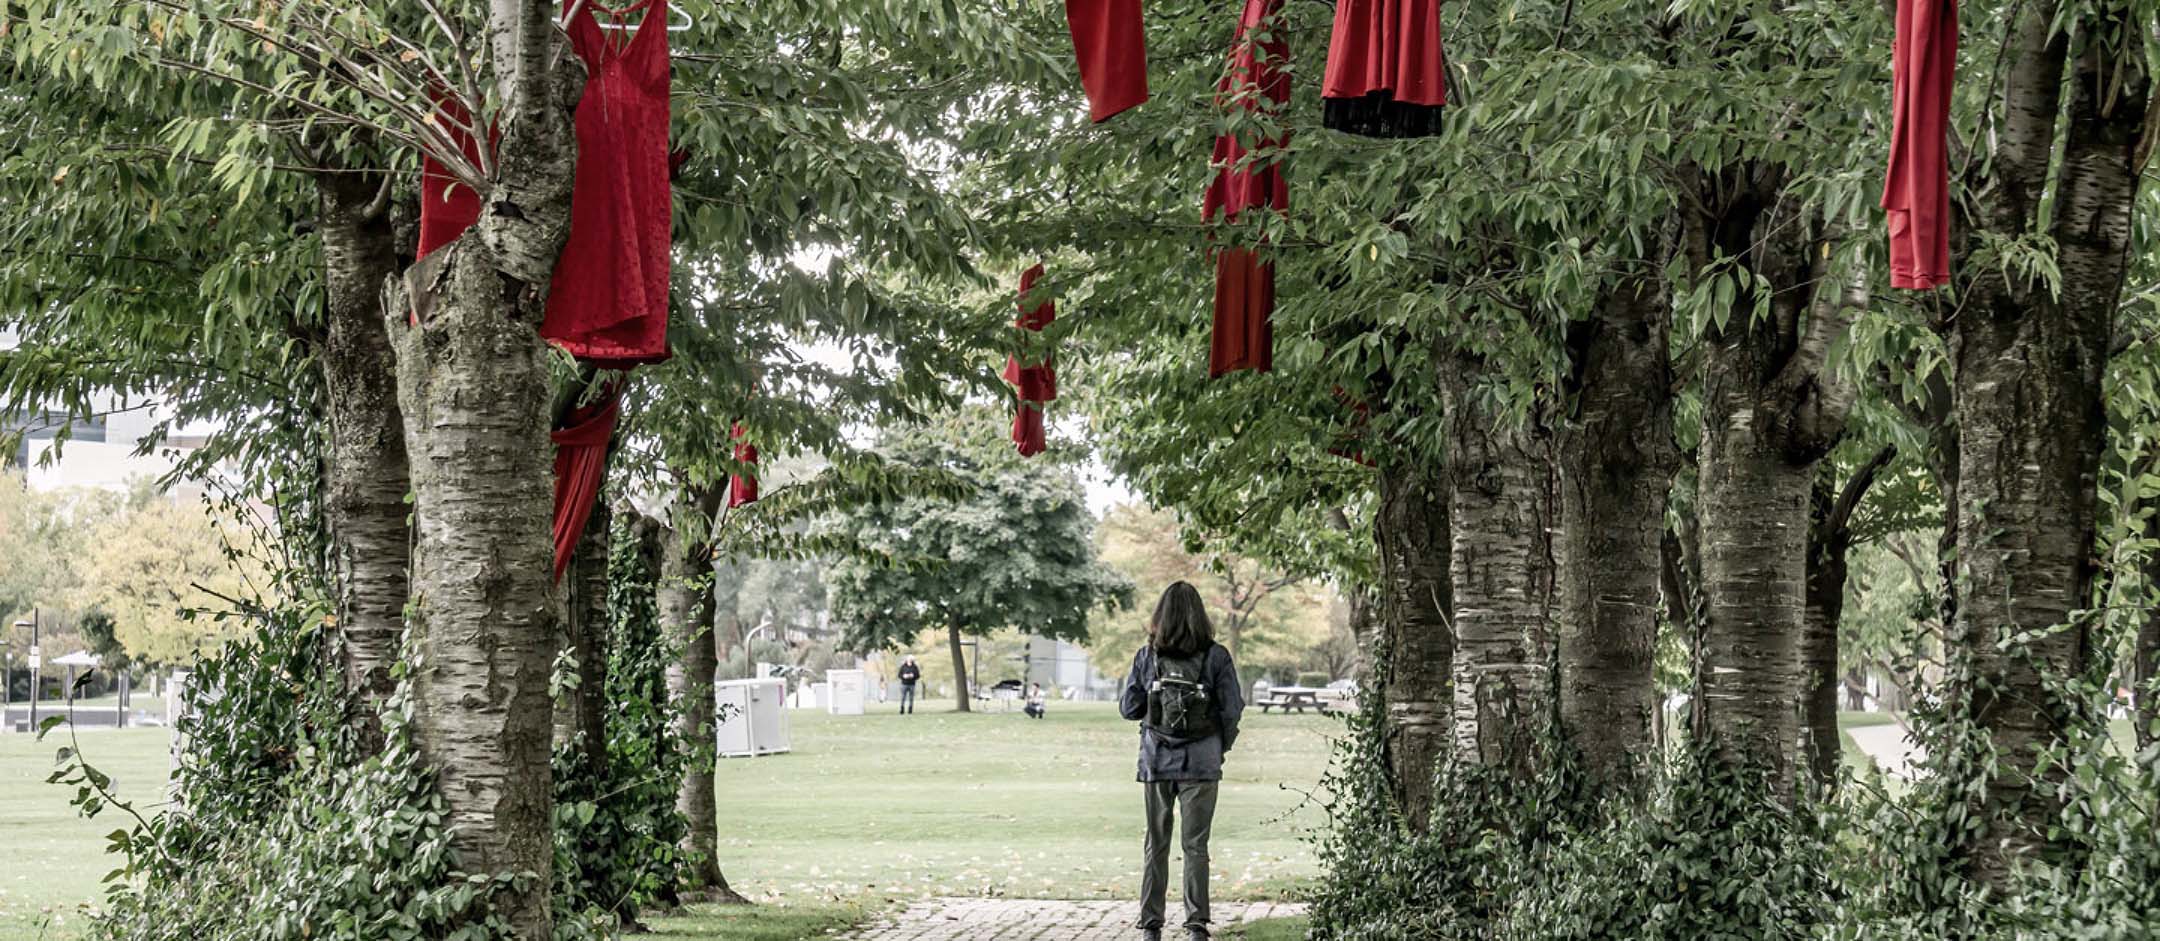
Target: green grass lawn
column 865, row 812
column 50, row 859
column 940, row 803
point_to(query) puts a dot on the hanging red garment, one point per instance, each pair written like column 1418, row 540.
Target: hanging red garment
column 447, row 206
column 1386, row 74
column 1916, row 190
column 1028, row 434
column 742, row 488
column 1245, row 284
column 581, row 453
column 608, row 303
column 1112, row 52
column 1033, row 384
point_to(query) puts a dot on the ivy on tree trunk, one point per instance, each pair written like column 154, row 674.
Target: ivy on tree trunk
column 2029, row 350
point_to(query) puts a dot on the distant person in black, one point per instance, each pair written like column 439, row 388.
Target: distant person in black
column 1035, row 706
column 909, row 675
column 1184, row 692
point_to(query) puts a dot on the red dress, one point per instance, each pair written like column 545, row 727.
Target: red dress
column 608, row 303
column 1386, row 76
column 1036, row 384
column 1916, row 190
column 1244, row 284
column 608, row 300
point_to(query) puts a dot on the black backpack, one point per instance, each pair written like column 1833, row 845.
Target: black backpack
column 1180, row 704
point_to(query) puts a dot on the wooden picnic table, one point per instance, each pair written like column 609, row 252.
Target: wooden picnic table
column 1292, row 699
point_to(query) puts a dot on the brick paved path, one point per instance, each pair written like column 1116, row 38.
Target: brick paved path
column 1037, row 920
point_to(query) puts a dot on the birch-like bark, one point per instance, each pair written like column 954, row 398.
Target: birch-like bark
column 2029, row 357
column 365, row 476
column 1617, row 459
column 1410, row 527
column 473, row 386
column 1500, row 492
column 1770, row 410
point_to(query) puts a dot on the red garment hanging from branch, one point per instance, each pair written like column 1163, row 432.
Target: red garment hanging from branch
column 742, row 488
column 581, row 453
column 1245, row 284
column 608, row 303
column 1916, row 190
column 1033, row 384
column 1386, row 73
column 447, row 206
column 608, row 299
column 1112, row 52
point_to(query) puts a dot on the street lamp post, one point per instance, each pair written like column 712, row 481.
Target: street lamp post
column 37, row 661
column 7, row 683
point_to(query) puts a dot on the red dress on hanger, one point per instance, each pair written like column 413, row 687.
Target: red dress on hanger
column 608, row 299
column 608, row 304
column 1244, row 284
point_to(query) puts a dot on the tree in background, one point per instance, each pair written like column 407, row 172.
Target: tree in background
column 156, row 566
column 1266, row 617
column 1018, row 551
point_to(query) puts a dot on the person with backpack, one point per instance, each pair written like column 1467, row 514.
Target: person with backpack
column 909, row 674
column 1184, row 692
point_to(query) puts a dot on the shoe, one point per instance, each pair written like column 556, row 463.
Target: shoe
column 1197, row 933
column 1151, row 934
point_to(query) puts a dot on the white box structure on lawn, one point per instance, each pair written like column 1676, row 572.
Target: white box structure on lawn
column 753, row 717
column 845, row 692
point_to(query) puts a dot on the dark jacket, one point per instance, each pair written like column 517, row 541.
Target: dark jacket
column 909, row 673
column 1166, row 759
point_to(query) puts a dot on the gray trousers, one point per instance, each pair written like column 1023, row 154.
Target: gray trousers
column 1194, row 802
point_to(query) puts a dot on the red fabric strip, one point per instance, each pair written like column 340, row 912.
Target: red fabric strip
column 743, row 488
column 1111, row 49
column 1034, row 383
column 1244, row 285
column 1916, row 189
column 1244, row 337
column 581, row 453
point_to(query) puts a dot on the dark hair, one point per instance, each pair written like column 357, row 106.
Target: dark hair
column 1180, row 625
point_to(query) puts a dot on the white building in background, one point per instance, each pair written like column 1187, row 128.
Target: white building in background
column 105, row 451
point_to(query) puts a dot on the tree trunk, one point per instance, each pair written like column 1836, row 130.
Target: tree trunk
column 1499, row 476
column 1829, row 541
column 1411, row 529
column 365, row 477
column 2029, row 356
column 473, row 386
column 1617, row 459
column 1771, row 408
column 581, row 716
column 959, row 667
column 687, row 612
